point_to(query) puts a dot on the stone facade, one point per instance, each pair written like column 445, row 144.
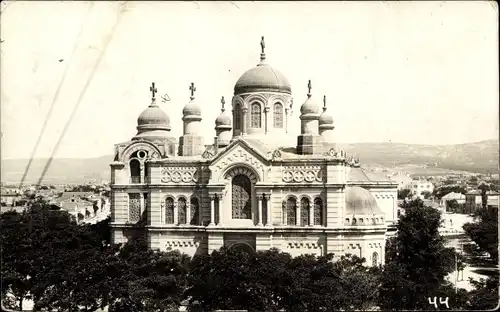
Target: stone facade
column 248, row 193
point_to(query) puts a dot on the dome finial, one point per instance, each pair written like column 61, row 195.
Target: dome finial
column 309, row 87
column 223, row 102
column 153, row 92
column 262, row 46
column 324, row 102
column 192, row 88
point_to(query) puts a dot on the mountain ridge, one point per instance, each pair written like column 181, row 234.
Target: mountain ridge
column 480, row 157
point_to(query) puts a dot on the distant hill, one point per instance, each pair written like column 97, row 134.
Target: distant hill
column 481, row 157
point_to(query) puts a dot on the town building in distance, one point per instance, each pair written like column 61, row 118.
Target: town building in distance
column 243, row 190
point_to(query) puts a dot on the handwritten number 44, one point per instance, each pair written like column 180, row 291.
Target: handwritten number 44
column 441, row 301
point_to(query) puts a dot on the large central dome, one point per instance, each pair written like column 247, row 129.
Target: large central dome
column 262, row 78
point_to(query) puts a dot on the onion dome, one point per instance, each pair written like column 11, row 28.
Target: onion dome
column 262, row 78
column 223, row 120
column 192, row 110
column 309, row 107
column 325, row 119
column 359, row 201
column 153, row 117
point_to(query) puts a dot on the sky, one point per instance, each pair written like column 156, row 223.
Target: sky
column 408, row 72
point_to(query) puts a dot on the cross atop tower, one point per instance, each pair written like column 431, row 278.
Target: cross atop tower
column 193, row 89
column 153, row 90
column 324, row 102
column 309, row 87
column 222, row 102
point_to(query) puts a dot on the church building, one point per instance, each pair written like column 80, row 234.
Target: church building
column 244, row 190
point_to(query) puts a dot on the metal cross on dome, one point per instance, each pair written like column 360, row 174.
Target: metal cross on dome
column 223, row 102
column 153, row 90
column 262, row 44
column 309, row 87
column 192, row 88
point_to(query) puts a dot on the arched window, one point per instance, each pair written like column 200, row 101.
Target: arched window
column 318, row 211
column 181, row 204
column 135, row 171
column 375, row 259
column 304, row 211
column 291, row 211
column 256, row 116
column 241, row 197
column 134, row 207
column 195, row 212
column 278, row 115
column 237, row 117
column 169, row 210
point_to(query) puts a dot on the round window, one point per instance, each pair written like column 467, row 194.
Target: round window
column 141, row 154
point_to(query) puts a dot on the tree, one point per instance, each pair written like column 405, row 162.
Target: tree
column 426, row 194
column 485, row 294
column 404, row 193
column 273, row 281
column 143, row 279
column 484, row 196
column 417, row 261
column 484, row 232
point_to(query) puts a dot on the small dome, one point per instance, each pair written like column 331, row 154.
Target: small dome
column 223, row 120
column 360, row 201
column 262, row 78
column 192, row 108
column 309, row 107
column 325, row 118
column 153, row 117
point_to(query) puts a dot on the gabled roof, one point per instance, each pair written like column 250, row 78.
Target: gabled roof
column 247, row 144
column 358, row 174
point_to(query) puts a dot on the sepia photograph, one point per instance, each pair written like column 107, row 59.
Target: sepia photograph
column 249, row 156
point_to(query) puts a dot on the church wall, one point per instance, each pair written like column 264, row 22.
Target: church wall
column 300, row 243
column 188, row 242
column 155, row 212
column 387, row 201
column 364, row 245
column 335, row 206
column 119, row 200
column 335, row 244
column 120, row 176
column 117, row 236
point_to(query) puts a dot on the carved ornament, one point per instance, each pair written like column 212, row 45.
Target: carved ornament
column 179, row 175
column 239, row 155
column 303, row 174
column 302, row 245
column 191, row 243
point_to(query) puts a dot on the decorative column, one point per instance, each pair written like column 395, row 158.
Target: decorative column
column 212, row 209
column 176, row 213
column 244, row 121
column 297, row 215
column 260, row 199
column 311, row 214
column 267, row 197
column 286, row 120
column 188, row 212
column 266, row 116
column 141, row 196
column 143, row 174
column 219, row 198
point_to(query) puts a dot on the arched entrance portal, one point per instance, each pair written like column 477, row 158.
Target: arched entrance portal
column 240, row 247
column 241, row 201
